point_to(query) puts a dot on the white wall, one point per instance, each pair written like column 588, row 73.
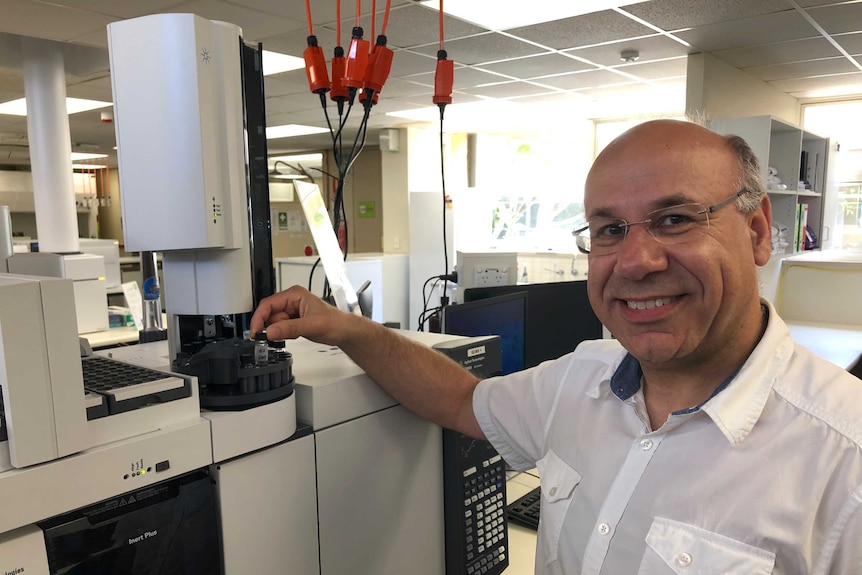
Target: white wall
column 394, row 206
column 719, row 90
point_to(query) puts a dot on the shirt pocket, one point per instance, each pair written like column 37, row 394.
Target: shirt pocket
column 675, row 548
column 558, row 482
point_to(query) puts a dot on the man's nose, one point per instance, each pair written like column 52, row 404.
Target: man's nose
column 640, row 254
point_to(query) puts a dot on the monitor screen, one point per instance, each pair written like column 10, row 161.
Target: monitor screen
column 559, row 317
column 505, row 316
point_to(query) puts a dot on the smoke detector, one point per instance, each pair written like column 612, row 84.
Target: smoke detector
column 629, row 56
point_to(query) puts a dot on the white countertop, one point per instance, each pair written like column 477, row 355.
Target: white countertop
column 840, row 344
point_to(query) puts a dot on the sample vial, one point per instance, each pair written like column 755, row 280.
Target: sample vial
column 261, row 349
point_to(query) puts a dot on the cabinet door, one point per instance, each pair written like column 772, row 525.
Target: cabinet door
column 268, row 510
column 380, row 493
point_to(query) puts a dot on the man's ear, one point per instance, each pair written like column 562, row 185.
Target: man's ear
column 760, row 228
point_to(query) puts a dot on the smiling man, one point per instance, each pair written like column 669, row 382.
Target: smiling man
column 701, row 439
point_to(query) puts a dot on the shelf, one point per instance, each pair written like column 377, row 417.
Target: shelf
column 792, row 155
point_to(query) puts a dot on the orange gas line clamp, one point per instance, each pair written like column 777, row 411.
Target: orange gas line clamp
column 357, row 61
column 444, row 78
column 315, row 67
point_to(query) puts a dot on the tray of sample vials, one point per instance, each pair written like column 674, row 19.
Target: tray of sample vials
column 113, row 387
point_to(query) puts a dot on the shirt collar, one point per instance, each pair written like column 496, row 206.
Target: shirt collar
column 737, row 409
column 736, row 404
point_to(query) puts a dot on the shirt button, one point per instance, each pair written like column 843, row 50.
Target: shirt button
column 604, row 528
column 683, row 559
column 646, row 444
column 553, row 491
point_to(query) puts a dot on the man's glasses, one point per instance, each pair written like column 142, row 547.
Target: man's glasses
column 671, row 225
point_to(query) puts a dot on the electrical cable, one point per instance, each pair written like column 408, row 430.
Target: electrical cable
column 355, row 72
column 338, row 22
column 445, row 245
column 373, row 16
column 311, row 273
column 443, row 83
column 425, row 299
column 385, row 18
column 308, row 17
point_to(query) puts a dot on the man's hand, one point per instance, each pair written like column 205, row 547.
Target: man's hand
column 296, row 312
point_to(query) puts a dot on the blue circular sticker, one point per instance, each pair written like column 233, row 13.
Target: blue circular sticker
column 151, row 288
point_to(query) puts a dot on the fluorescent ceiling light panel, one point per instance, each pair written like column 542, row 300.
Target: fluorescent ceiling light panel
column 290, row 130
column 287, row 176
column 73, row 106
column 505, row 14
column 88, row 166
column 297, row 158
column 82, row 156
column 491, row 110
column 275, row 63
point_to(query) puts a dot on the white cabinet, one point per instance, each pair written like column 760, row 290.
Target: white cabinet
column 387, row 273
column 797, row 156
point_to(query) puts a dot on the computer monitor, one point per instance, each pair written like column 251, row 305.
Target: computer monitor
column 559, row 317
column 505, row 315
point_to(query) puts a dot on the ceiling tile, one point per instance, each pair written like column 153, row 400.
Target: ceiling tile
column 815, row 86
column 401, row 88
column 464, row 78
column 581, row 80
column 387, row 105
column 850, row 42
column 90, row 92
column 778, row 52
column 760, row 30
column 809, row 3
column 39, row 20
column 802, row 69
column 585, row 30
column 255, row 25
column 539, row 65
column 556, row 99
column 12, row 82
column 294, row 43
column 103, row 83
column 489, row 47
column 671, row 68
column 676, row 14
column 407, row 63
column 121, row 8
column 278, row 86
column 838, row 18
column 96, row 38
column 294, row 103
column 507, row 90
column 656, row 47
column 416, row 25
column 304, row 117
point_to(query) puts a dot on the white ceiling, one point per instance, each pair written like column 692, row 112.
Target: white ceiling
column 806, row 48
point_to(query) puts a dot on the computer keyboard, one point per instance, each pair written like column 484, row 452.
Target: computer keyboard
column 525, row 509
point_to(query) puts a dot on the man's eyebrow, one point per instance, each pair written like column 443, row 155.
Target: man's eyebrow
column 664, row 202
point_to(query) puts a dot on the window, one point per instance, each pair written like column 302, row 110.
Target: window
column 830, row 120
column 535, row 191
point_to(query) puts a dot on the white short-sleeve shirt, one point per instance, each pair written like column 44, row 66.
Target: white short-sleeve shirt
column 764, row 477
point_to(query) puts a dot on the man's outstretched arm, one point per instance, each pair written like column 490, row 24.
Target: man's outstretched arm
column 424, row 381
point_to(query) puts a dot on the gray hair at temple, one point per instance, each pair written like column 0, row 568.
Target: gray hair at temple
column 750, row 177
